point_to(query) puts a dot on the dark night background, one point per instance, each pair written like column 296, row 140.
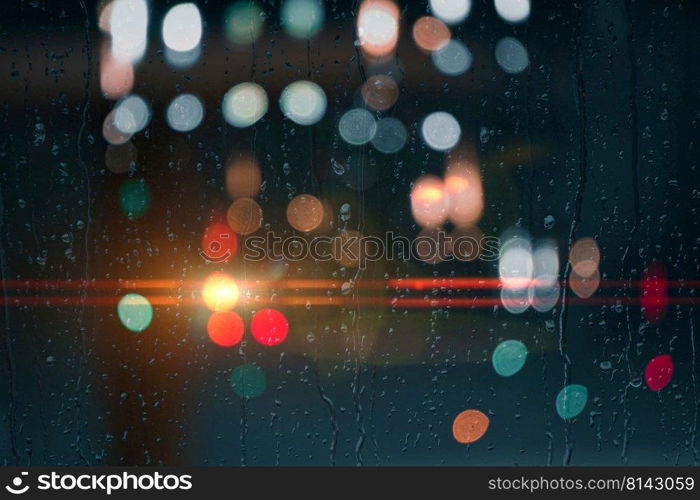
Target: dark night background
column 600, row 133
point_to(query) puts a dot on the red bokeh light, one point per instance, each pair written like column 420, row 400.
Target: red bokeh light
column 659, row 372
column 219, row 243
column 225, row 328
column 269, row 327
column 654, row 292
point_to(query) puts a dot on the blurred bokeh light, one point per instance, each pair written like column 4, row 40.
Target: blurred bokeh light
column 220, row 292
column 244, row 104
column 451, row 11
column 302, row 18
column 378, row 27
column 135, row 312
column 303, row 102
column 429, row 202
column 225, row 328
column 244, row 216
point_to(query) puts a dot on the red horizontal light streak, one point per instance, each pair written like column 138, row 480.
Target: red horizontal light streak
column 341, row 301
column 396, row 283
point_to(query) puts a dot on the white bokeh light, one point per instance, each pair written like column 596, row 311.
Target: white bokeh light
column 515, row 300
column 303, row 102
column 378, row 26
column 184, row 113
column 390, row 137
column 128, row 24
column 515, row 263
column 544, row 290
column 441, row 131
column 453, row 59
column 546, row 262
column 451, row 11
column 515, row 266
column 511, row 55
column 244, row 104
column 357, row 127
column 544, row 295
column 513, row 11
column 179, row 60
column 132, row 114
column 182, row 27
column 111, row 134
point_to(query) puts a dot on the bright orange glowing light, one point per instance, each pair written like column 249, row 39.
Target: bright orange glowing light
column 378, row 27
column 429, row 194
column 428, row 202
column 456, row 184
column 220, row 292
column 225, row 328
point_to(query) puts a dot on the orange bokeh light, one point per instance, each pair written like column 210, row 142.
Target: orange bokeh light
column 465, row 194
column 244, row 216
column 380, row 92
column 431, row 34
column 585, row 257
column 429, row 202
column 584, row 286
column 225, row 328
column 243, row 177
column 305, row 213
column 470, row 426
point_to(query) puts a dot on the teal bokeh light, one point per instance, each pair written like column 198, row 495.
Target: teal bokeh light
column 571, row 401
column 509, row 357
column 135, row 312
column 134, row 198
column 244, row 22
column 248, row 381
column 302, row 18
